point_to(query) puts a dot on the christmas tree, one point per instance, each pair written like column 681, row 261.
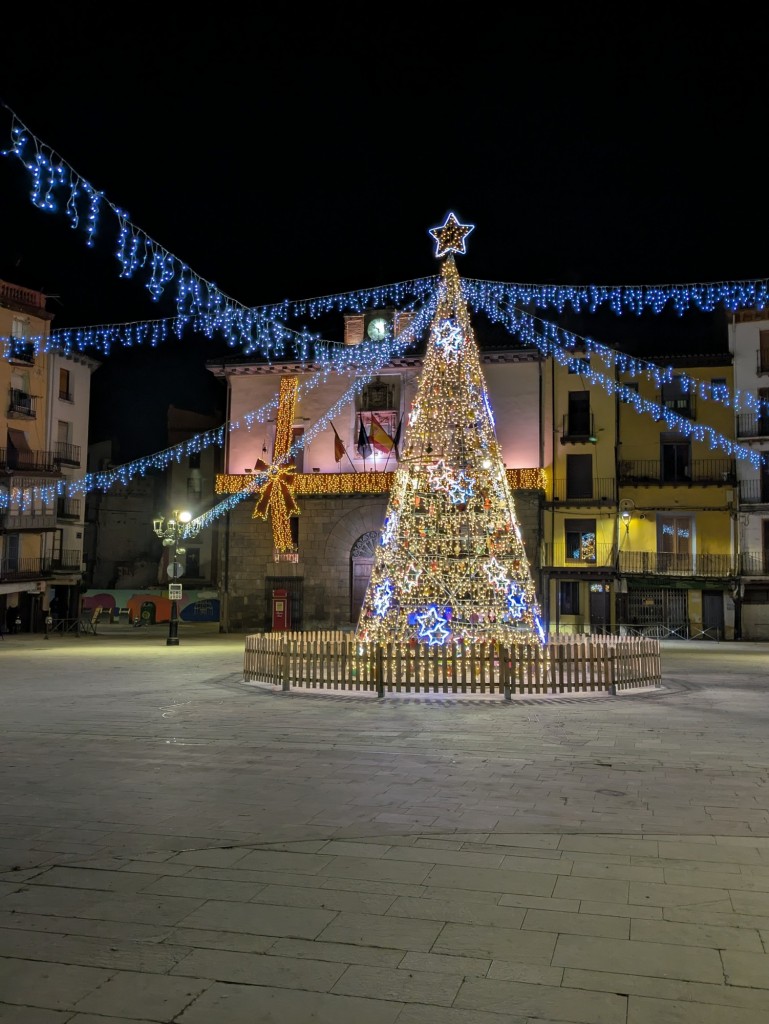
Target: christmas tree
column 451, row 566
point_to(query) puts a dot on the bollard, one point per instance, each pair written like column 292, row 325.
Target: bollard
column 48, row 625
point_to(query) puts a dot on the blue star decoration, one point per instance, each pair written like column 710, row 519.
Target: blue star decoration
column 451, row 237
column 433, row 627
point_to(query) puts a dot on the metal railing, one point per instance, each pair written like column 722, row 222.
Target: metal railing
column 557, row 556
column 12, row 569
column 29, row 521
column 660, row 563
column 68, row 560
column 700, row 471
column 26, row 461
column 754, row 492
column 754, row 563
column 21, row 403
column 751, row 425
column 68, row 508
column 69, row 453
column 601, row 490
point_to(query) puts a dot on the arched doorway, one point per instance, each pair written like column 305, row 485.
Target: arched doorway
column 361, row 564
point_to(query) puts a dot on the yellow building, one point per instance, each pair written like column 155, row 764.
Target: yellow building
column 25, row 461
column 579, row 530
column 677, row 500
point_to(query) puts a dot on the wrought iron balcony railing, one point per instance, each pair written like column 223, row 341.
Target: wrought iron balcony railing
column 754, row 492
column 69, row 560
column 68, row 508
column 751, row 425
column 558, row 556
column 599, row 491
column 704, row 472
column 661, row 563
column 27, row 461
column 20, row 403
column 67, row 453
column 40, row 521
column 12, row 569
column 754, row 563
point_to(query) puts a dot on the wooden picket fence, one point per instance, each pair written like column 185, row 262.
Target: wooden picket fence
column 328, row 660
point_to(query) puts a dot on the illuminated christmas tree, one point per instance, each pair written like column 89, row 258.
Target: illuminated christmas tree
column 451, row 566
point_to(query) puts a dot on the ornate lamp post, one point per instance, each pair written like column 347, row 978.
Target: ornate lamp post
column 170, row 532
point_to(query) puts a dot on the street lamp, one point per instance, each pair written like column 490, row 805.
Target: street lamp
column 170, row 531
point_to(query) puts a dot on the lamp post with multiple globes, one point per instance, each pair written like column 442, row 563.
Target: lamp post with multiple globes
column 170, row 532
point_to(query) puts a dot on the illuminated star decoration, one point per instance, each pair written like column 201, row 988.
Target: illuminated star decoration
column 439, row 476
column 383, row 595
column 515, row 601
column 461, row 488
column 449, row 338
column 433, row 627
column 411, row 578
column 496, row 573
column 451, row 237
column 390, row 529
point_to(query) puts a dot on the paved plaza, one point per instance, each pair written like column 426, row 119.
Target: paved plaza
column 177, row 845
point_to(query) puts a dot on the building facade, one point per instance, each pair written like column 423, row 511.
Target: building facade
column 749, row 344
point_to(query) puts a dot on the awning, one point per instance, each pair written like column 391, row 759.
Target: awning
column 18, row 439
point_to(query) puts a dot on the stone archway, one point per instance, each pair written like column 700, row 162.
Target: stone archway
column 361, row 563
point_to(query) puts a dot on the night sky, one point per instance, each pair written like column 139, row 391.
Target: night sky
column 288, row 158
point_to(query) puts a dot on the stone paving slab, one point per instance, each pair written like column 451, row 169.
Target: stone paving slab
column 180, row 849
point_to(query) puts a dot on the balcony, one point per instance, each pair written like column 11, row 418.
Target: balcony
column 556, row 556
column 703, row 472
column 21, row 404
column 599, row 491
column 67, row 454
column 754, row 492
column 38, row 521
column 754, row 563
column 22, row 354
column 751, row 425
column 578, row 429
column 68, row 509
column 19, row 569
column 660, row 563
column 25, row 460
column 68, row 561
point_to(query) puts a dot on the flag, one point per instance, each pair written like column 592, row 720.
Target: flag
column 380, row 439
column 397, row 437
column 364, row 448
column 338, row 445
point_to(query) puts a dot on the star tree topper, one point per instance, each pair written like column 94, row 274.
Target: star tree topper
column 451, row 237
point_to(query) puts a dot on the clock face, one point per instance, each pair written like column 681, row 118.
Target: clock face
column 378, row 329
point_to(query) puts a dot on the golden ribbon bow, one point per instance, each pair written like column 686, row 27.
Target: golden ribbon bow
column 276, row 496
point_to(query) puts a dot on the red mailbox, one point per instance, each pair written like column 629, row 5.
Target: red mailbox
column 281, row 610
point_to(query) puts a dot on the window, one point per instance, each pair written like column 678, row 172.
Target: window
column 580, row 539
column 630, row 390
column 194, row 486
column 578, row 422
column 763, row 351
column 579, row 364
column 568, row 597
column 65, row 385
column 579, row 476
column 677, row 398
column 296, row 435
column 674, row 543
column 675, row 455
column 194, row 462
